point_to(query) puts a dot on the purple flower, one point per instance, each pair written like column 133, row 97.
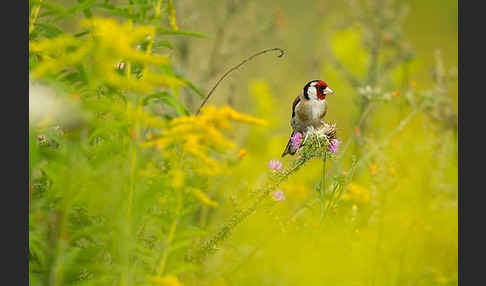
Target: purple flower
column 296, row 138
column 275, row 165
column 333, row 147
column 278, row 195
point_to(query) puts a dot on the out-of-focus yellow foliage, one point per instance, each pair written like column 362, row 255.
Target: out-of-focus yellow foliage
column 138, row 115
column 177, row 176
column 241, row 153
column 108, row 44
column 201, row 135
column 264, row 101
column 168, row 280
column 347, row 45
column 150, row 171
column 356, row 193
column 201, row 196
column 297, row 189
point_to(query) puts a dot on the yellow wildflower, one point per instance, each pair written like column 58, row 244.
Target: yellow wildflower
column 200, row 136
column 109, row 44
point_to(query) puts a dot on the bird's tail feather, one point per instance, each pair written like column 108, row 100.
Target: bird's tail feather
column 289, row 149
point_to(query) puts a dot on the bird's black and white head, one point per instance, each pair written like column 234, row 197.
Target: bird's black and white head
column 317, row 90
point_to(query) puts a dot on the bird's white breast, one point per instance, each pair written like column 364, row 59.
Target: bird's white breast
column 317, row 107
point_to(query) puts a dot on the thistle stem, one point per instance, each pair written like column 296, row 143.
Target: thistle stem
column 322, row 191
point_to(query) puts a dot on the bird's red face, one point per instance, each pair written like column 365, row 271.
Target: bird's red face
column 317, row 89
column 322, row 90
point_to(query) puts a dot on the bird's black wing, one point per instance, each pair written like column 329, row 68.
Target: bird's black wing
column 296, row 101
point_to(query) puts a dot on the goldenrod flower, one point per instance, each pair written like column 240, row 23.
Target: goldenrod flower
column 200, row 136
column 109, row 49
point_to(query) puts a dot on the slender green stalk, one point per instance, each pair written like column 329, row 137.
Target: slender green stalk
column 157, row 8
column 173, row 227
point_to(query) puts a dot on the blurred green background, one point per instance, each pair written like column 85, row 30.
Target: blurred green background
column 407, row 233
column 396, row 222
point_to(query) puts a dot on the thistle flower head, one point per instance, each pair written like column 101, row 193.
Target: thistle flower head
column 278, row 195
column 275, row 165
column 333, row 147
column 296, row 139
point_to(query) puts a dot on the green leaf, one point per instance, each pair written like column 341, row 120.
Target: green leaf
column 169, row 100
column 80, row 34
column 52, row 7
column 77, row 8
column 158, row 95
column 116, row 11
column 87, row 11
column 163, row 31
column 166, row 44
column 190, row 85
column 49, row 30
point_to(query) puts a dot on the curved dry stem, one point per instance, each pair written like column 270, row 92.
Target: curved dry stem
column 235, row 68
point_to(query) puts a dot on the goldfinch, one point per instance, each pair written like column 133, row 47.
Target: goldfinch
column 308, row 110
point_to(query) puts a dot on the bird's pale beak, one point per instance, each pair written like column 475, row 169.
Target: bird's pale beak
column 327, row 90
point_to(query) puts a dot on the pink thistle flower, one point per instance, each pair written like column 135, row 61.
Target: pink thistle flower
column 275, row 165
column 333, row 147
column 278, row 196
column 296, row 138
